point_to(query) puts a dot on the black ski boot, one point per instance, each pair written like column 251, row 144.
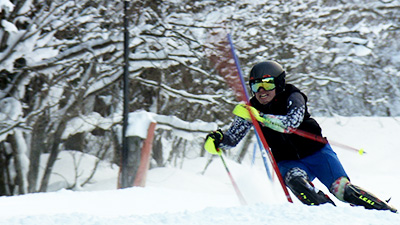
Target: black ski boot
column 306, row 192
column 357, row 196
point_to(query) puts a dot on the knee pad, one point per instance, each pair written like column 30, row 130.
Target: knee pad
column 338, row 188
column 295, row 172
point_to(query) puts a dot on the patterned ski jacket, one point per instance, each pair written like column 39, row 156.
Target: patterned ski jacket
column 290, row 106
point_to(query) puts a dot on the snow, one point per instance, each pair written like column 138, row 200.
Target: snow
column 360, row 50
column 10, row 112
column 10, row 109
column 188, row 196
column 139, row 123
column 9, row 27
column 185, row 195
column 7, row 5
column 87, row 123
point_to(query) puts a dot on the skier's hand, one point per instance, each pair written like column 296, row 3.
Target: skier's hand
column 245, row 111
column 212, row 142
column 274, row 123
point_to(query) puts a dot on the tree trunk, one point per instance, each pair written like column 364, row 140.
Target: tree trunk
column 158, row 150
column 134, row 148
column 17, row 154
column 4, row 181
column 37, row 146
column 55, row 149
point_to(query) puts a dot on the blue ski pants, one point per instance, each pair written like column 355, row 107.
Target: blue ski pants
column 323, row 164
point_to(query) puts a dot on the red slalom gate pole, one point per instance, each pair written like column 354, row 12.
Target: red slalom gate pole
column 271, row 157
column 230, row 70
column 255, row 122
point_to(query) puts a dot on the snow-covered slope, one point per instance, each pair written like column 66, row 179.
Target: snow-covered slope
column 186, row 196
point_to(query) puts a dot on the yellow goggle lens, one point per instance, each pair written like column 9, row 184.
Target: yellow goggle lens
column 266, row 83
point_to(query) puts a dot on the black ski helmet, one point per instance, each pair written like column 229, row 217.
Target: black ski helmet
column 269, row 68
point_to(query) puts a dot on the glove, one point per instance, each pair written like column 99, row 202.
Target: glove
column 242, row 111
column 274, row 123
column 212, row 142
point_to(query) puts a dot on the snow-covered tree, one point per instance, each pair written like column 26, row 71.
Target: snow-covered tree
column 62, row 60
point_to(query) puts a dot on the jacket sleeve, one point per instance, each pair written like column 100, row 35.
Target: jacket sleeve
column 296, row 108
column 235, row 133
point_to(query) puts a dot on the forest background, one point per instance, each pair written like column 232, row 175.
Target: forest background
column 61, row 67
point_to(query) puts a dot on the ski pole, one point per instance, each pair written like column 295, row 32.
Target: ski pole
column 209, row 145
column 253, row 159
column 243, row 112
column 238, row 193
column 323, row 140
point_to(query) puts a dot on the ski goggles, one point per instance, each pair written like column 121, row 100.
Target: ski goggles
column 266, row 83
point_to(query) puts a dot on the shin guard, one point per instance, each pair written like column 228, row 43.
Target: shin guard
column 338, row 187
column 306, row 193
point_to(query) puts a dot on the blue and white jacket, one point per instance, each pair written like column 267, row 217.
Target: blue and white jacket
column 290, row 106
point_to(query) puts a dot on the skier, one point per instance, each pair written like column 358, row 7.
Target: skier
column 300, row 160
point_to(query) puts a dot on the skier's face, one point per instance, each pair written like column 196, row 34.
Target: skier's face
column 264, row 97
